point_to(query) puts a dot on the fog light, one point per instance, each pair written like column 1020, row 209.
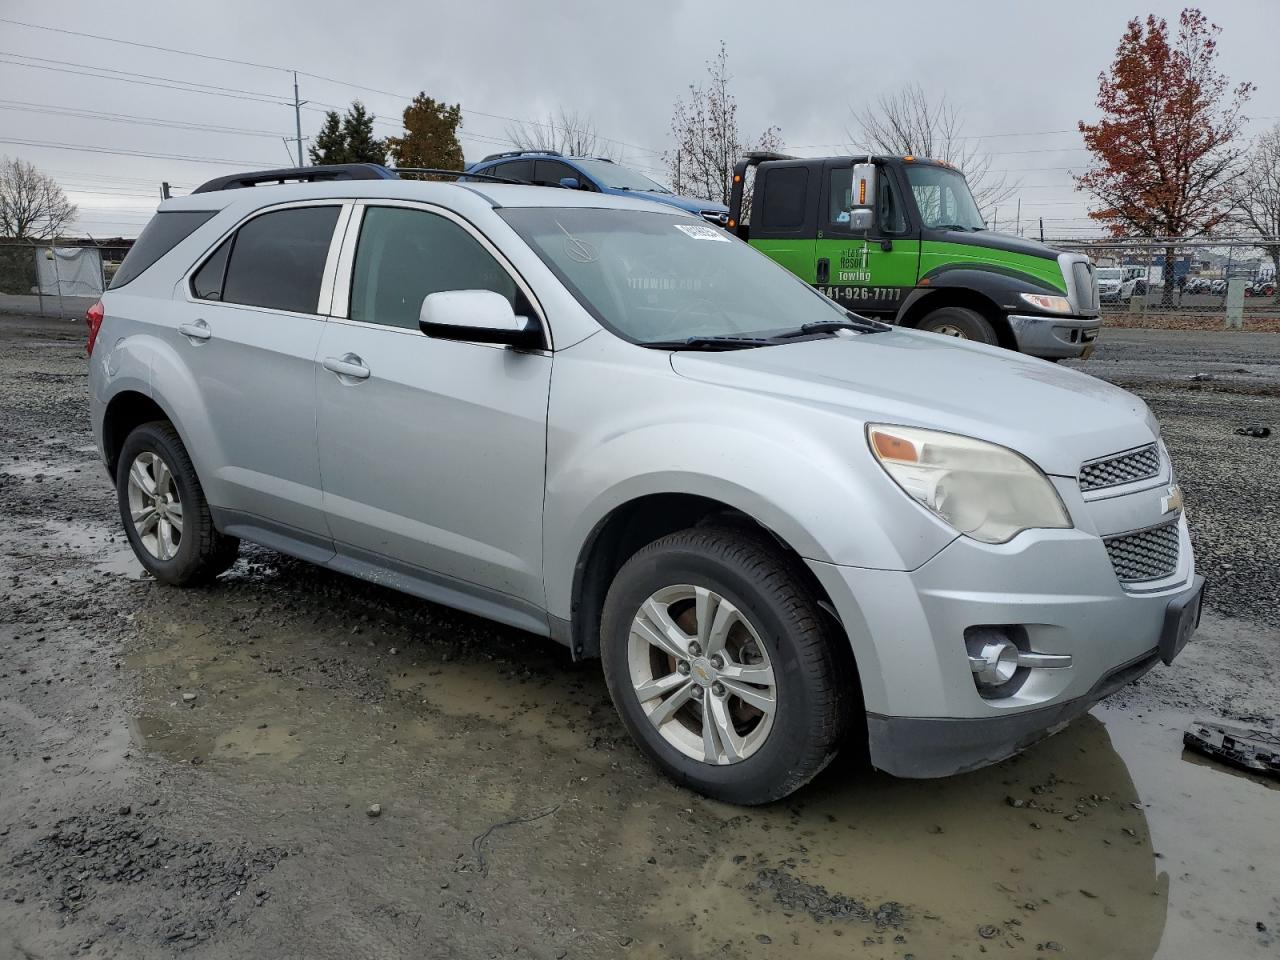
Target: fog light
column 1001, row 659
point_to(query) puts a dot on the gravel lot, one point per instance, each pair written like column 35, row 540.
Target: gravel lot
column 194, row 771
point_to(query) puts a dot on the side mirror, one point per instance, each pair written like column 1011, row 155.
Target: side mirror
column 477, row 316
column 570, row 183
column 864, row 186
column 860, row 220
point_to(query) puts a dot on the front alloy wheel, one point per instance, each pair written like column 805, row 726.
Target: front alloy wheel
column 723, row 667
column 702, row 674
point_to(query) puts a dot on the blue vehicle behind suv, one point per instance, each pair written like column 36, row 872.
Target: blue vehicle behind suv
column 549, row 168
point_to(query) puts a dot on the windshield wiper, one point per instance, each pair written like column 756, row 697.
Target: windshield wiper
column 854, row 322
column 709, row 343
column 955, row 226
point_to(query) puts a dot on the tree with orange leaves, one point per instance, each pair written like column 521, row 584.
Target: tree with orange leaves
column 1168, row 139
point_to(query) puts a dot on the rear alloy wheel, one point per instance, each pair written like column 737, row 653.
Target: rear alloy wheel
column 723, row 667
column 961, row 323
column 164, row 512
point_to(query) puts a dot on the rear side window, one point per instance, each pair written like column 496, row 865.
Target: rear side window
column 166, row 230
column 513, row 170
column 403, row 255
column 275, row 261
column 784, row 196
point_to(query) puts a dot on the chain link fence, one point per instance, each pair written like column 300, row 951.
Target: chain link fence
column 1168, row 277
column 56, row 279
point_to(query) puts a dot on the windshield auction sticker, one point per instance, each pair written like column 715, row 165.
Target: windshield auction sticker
column 700, row 232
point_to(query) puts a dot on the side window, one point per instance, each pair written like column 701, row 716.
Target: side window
column 165, row 231
column 207, row 282
column 276, row 260
column 890, row 215
column 403, row 255
column 841, row 196
column 784, row 196
column 551, row 172
column 514, row 170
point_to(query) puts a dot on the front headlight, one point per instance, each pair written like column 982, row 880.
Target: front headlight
column 985, row 491
column 1045, row 302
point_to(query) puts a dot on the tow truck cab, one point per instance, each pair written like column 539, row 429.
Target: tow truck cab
column 901, row 239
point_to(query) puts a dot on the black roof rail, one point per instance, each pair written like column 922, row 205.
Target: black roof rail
column 522, row 153
column 436, row 172
column 336, row 171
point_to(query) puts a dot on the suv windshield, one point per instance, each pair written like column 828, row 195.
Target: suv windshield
column 656, row 278
column 943, row 198
column 619, row 178
column 1109, row 273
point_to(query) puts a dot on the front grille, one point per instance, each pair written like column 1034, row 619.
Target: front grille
column 1119, row 468
column 716, row 217
column 1086, row 286
column 1150, row 554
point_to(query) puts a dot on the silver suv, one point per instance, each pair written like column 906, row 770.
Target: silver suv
column 783, row 528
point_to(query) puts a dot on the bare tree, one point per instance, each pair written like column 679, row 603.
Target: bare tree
column 908, row 122
column 32, row 205
column 567, row 132
column 708, row 141
column 1255, row 195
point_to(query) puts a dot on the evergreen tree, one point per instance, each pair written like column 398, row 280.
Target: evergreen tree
column 431, row 136
column 329, row 145
column 357, row 130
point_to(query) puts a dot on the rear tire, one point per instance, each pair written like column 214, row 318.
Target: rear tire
column 164, row 511
column 802, row 690
column 961, row 323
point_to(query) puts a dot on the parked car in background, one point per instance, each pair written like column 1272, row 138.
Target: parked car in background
column 782, row 527
column 597, row 174
column 1261, row 288
column 1116, row 284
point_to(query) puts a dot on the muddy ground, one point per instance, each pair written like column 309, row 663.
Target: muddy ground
column 193, row 771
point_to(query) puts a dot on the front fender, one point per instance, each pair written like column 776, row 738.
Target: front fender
column 1000, row 286
column 801, row 470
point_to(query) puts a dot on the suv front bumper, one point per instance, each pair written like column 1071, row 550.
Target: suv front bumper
column 1054, row 338
column 925, row 715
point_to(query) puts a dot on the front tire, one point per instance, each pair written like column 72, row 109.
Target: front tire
column 723, row 667
column 164, row 511
column 961, row 323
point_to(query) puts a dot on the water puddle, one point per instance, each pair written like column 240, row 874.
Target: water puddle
column 1105, row 840
column 107, row 550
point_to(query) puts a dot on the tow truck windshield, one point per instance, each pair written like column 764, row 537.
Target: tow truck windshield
column 943, row 198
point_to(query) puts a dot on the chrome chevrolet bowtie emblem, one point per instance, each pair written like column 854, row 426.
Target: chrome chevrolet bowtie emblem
column 1171, row 502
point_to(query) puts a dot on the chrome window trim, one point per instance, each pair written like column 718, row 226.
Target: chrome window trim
column 341, row 301
column 189, row 277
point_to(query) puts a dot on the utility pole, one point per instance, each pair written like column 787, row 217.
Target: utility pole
column 164, row 190
column 1017, row 223
column 297, row 115
column 679, row 184
column 1042, row 229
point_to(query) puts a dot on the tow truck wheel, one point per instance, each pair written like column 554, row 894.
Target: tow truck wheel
column 959, row 322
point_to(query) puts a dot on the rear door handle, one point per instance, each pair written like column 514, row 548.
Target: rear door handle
column 348, row 365
column 195, row 331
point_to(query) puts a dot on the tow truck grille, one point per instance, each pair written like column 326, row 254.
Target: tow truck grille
column 1086, row 286
column 1120, row 468
column 1150, row 554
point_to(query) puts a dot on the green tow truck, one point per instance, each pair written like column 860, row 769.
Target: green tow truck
column 901, row 239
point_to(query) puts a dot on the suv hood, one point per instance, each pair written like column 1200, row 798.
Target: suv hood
column 1056, row 417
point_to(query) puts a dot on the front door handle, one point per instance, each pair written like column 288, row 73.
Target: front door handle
column 824, row 270
column 197, row 331
column 348, row 365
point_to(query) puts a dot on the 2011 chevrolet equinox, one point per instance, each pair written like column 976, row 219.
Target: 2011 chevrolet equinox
column 783, row 528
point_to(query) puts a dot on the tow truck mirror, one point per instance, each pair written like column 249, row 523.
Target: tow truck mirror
column 864, row 186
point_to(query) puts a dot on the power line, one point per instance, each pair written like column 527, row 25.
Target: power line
column 145, row 46
column 134, row 153
column 83, row 114
column 144, row 83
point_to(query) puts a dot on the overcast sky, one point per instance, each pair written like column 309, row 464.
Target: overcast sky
column 1022, row 72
